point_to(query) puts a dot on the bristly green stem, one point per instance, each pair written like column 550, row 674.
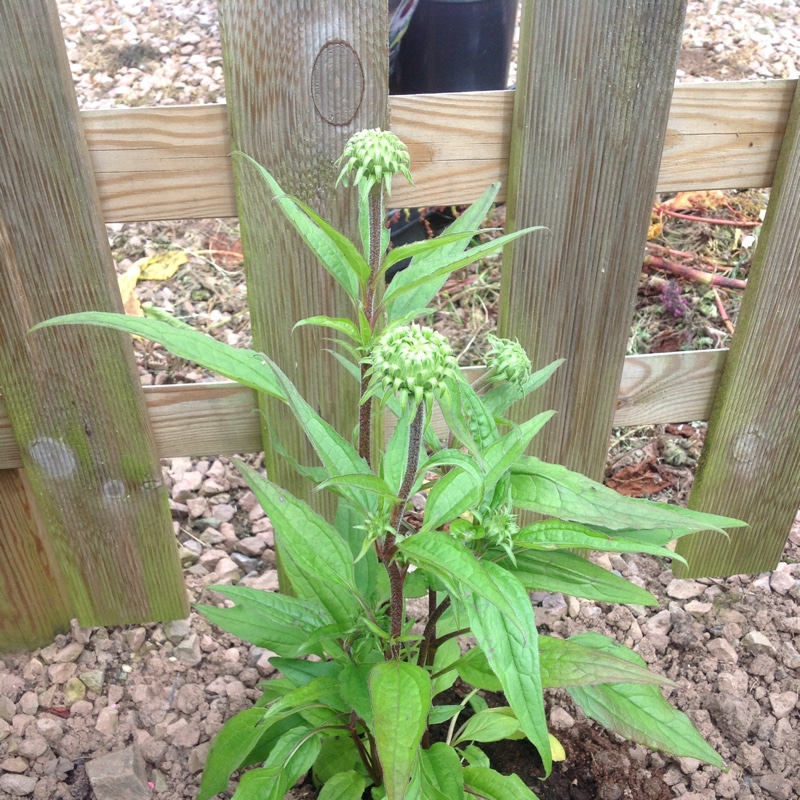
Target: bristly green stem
column 376, row 213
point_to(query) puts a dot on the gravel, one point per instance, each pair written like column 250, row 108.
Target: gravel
column 732, row 645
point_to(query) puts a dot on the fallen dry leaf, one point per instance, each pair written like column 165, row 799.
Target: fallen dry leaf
column 127, row 288
column 694, row 201
column 162, row 267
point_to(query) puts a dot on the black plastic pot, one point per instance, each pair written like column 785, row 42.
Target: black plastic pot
column 456, row 46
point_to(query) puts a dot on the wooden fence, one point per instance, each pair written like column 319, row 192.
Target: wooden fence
column 591, row 132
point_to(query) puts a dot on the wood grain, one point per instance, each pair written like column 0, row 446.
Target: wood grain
column 222, row 418
column 750, row 466
column 33, row 601
column 300, row 82
column 594, row 87
column 73, row 396
column 168, row 163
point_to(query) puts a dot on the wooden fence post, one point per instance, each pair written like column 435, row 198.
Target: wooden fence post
column 300, row 80
column 594, row 88
column 73, row 394
column 750, row 465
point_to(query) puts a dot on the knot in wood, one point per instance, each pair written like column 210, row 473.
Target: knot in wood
column 337, row 82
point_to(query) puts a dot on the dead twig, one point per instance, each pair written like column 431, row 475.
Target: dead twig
column 708, row 220
column 692, row 274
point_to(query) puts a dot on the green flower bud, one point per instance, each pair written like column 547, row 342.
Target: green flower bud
column 500, row 527
column 413, row 362
column 374, row 156
column 508, row 361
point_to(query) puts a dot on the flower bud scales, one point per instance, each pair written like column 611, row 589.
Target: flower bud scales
column 508, row 361
column 375, row 156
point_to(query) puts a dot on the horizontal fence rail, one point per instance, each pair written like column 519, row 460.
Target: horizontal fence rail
column 174, row 163
column 221, row 418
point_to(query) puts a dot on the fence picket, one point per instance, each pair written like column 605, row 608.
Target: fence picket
column 594, row 89
column 73, row 396
column 751, row 457
column 296, row 93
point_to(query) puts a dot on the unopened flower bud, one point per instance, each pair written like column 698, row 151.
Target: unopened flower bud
column 413, row 362
column 508, row 361
column 374, row 156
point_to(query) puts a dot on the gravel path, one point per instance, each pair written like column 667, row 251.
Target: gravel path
column 732, row 645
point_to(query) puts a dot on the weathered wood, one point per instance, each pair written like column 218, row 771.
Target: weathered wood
column 33, row 600
column 73, row 396
column 300, row 80
column 750, row 466
column 208, row 418
column 594, row 87
column 167, row 163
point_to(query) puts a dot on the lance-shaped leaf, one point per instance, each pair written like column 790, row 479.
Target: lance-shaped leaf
column 270, row 620
column 473, row 667
column 560, row 571
column 243, row 366
column 499, row 398
column 639, row 712
column 490, row 785
column 337, row 455
column 439, row 266
column 513, row 654
column 344, row 786
column 441, row 774
column 341, row 324
column 459, row 488
column 400, row 695
column 469, row 221
column 558, row 492
column 553, row 534
column 459, row 564
column 489, row 725
column 425, row 247
column 323, row 240
column 568, row 663
column 313, row 545
column 479, row 418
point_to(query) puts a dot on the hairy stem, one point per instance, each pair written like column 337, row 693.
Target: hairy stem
column 427, row 650
column 375, row 201
column 362, row 752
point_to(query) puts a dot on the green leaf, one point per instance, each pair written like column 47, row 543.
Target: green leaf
column 243, row 366
column 473, row 667
column 312, row 544
column 453, row 458
column 401, row 698
column 229, row 750
column 444, row 713
column 556, row 491
column 366, row 569
column 270, row 620
column 474, row 756
column 395, row 458
column 479, row 419
column 639, row 712
column 490, row 725
column 300, row 671
column 560, row 571
column 513, row 653
column 502, row 396
column 338, row 754
column 424, row 273
column 568, row 663
column 354, row 688
column 344, row 786
column 446, row 654
column 491, row 785
column 459, row 564
column 337, row 455
column 326, row 243
column 291, row 757
column 425, row 247
column 367, row 483
column 553, row 534
column 469, row 221
column 441, row 774
column 343, row 325
column 451, row 496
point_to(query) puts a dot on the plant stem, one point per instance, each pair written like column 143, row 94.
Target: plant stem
column 362, row 752
column 710, row 220
column 696, row 275
column 396, row 577
column 427, row 650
